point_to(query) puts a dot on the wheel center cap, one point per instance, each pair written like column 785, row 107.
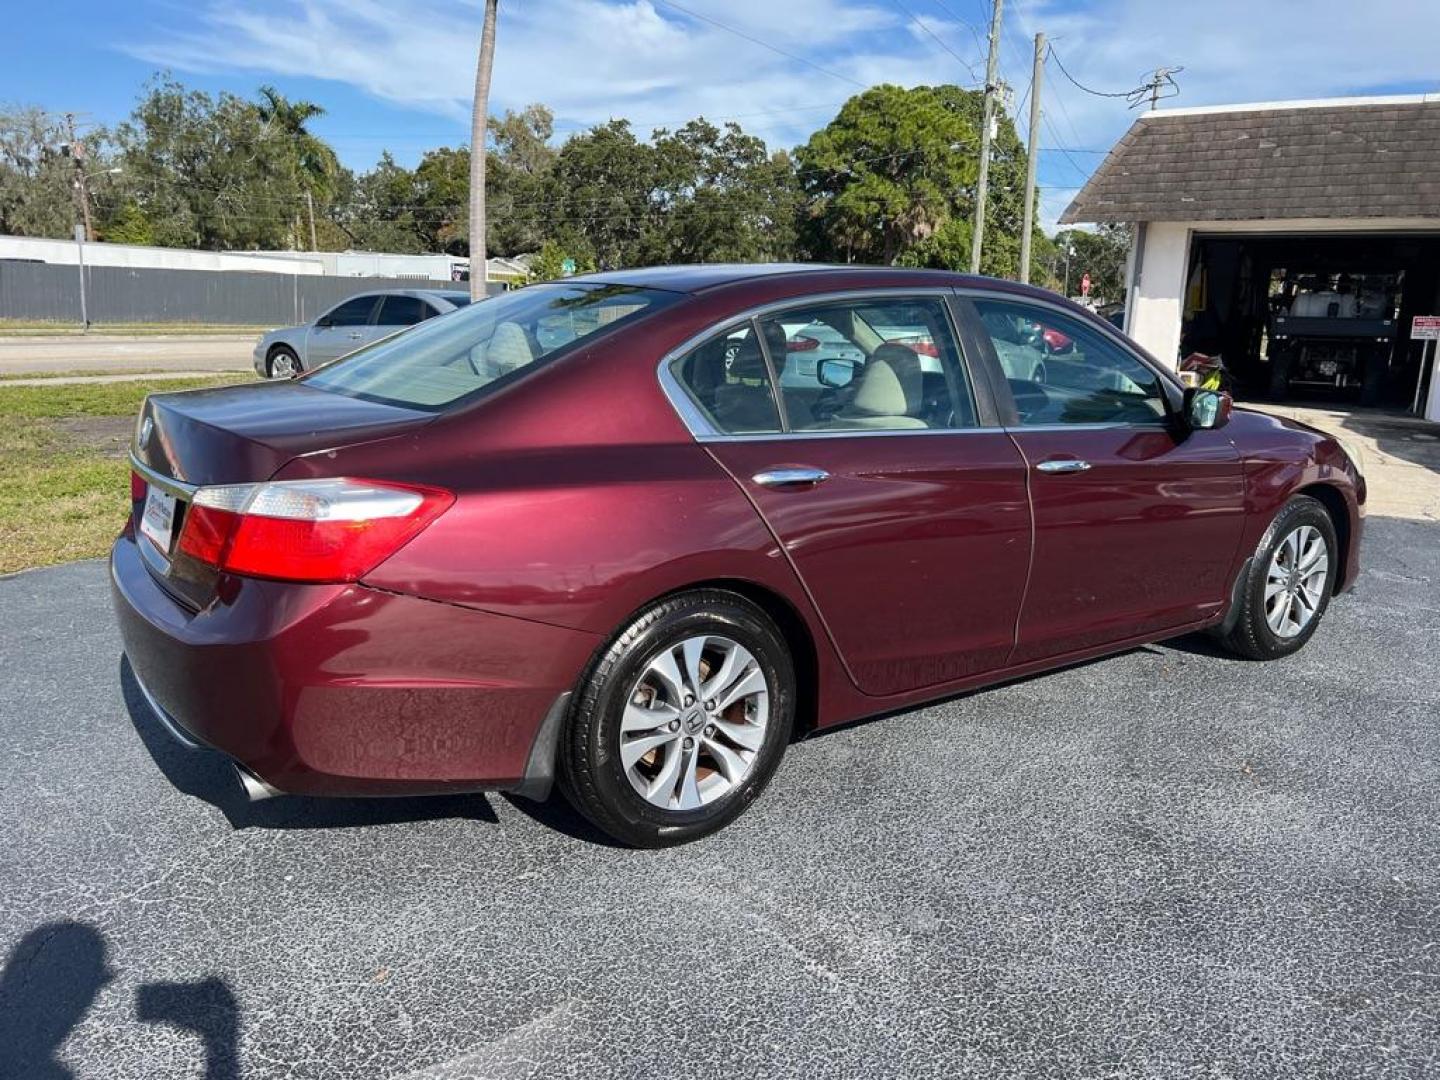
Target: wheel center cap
column 693, row 719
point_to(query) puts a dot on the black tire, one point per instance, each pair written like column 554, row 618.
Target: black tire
column 285, row 352
column 1249, row 634
column 590, row 770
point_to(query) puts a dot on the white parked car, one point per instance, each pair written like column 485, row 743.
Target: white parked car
column 349, row 325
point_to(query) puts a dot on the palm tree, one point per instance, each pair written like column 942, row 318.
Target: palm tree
column 314, row 163
column 477, row 151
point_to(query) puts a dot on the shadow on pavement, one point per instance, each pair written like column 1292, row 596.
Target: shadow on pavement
column 206, row 1008
column 557, row 813
column 1405, row 437
column 51, row 978
column 208, row 775
column 57, row 971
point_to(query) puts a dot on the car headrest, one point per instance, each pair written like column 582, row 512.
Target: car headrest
column 892, row 383
column 748, row 361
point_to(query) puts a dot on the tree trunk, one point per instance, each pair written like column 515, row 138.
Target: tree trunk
column 477, row 152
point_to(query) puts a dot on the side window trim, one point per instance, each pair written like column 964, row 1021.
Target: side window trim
column 773, row 375
column 990, row 404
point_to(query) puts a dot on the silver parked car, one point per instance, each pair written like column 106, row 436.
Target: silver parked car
column 349, row 325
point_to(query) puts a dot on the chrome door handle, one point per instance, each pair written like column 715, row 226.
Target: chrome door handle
column 356, row 335
column 1067, row 466
column 790, row 476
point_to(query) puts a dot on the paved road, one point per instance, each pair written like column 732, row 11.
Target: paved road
column 1166, row 864
column 21, row 355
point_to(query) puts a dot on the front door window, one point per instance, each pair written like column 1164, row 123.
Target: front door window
column 1061, row 371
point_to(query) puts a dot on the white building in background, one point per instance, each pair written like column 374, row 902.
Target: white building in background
column 321, row 263
column 66, row 253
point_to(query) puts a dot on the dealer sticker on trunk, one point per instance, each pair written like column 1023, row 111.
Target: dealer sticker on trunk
column 158, row 520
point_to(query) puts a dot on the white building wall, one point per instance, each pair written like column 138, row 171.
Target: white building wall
column 66, row 253
column 1159, row 294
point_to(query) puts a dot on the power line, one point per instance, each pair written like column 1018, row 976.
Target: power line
column 974, row 33
column 1052, row 54
column 938, row 40
column 763, row 44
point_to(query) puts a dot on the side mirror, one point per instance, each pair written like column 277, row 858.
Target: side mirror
column 324, row 323
column 1207, row 409
column 835, row 372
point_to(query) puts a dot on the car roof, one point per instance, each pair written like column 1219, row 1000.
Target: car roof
column 698, row 278
column 443, row 294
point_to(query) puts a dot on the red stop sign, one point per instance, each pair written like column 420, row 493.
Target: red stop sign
column 1085, row 285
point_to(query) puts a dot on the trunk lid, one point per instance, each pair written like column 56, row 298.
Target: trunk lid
column 242, row 434
column 235, row 435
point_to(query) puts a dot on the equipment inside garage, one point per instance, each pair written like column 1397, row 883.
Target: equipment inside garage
column 1306, row 316
column 1296, row 239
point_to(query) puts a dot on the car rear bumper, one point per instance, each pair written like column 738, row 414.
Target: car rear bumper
column 349, row 690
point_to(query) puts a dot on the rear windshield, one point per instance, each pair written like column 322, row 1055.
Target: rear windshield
column 444, row 361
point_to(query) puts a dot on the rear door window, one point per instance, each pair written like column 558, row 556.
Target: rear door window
column 887, row 364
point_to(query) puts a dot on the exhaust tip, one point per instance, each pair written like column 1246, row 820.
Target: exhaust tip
column 255, row 789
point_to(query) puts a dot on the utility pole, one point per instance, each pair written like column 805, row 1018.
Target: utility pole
column 1033, row 157
column 479, row 263
column 310, row 208
column 82, row 193
column 981, row 186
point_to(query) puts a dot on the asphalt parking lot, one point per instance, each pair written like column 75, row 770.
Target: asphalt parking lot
column 1164, row 864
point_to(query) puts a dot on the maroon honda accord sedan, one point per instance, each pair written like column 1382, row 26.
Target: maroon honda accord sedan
column 632, row 532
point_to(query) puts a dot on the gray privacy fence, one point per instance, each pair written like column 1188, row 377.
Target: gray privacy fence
column 122, row 294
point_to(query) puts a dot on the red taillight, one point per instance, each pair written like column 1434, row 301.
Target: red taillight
column 207, row 532
column 801, row 344
column 307, row 530
column 138, row 487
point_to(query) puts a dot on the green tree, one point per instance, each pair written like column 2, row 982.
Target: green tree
column 129, row 225
column 315, row 163
column 516, row 180
column 549, row 263
column 1102, row 254
column 377, row 209
column 37, row 171
column 207, row 172
column 724, row 197
column 892, row 179
column 441, row 193
column 600, row 195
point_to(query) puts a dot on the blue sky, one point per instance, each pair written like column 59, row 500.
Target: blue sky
column 397, row 75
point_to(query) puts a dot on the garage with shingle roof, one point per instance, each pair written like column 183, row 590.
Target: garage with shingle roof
column 1253, row 223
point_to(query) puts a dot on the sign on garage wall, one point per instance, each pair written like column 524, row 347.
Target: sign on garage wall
column 1425, row 328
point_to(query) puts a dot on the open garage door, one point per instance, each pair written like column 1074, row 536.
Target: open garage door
column 1313, row 316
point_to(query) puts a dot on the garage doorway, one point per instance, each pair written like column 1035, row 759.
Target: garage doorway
column 1311, row 317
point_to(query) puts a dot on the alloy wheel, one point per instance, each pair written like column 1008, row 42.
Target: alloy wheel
column 1295, row 581
column 694, row 722
column 282, row 365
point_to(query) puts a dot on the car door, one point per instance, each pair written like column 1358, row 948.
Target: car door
column 899, row 502
column 1137, row 520
column 342, row 329
column 399, row 312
